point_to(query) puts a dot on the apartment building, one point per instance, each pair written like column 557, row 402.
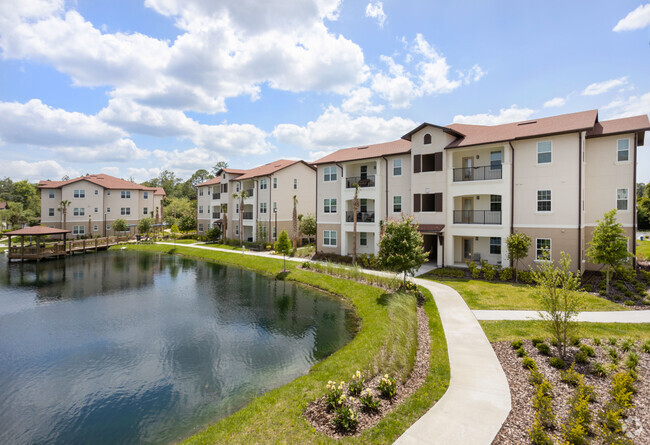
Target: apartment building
column 96, row 201
column 268, row 206
column 473, row 185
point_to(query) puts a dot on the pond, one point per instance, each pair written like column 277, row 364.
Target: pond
column 127, row 347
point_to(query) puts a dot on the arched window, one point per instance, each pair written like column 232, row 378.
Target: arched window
column 427, row 138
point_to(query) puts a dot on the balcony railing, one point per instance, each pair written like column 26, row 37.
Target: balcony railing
column 366, row 181
column 483, row 173
column 216, row 215
column 362, row 217
column 247, row 215
column 216, row 196
column 477, row 217
column 250, row 192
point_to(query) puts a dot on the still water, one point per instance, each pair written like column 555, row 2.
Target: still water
column 126, row 347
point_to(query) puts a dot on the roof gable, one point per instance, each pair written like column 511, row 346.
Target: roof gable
column 399, row 146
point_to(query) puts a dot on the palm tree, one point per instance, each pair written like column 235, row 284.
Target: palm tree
column 241, row 195
column 294, row 223
column 63, row 208
column 224, row 219
column 355, row 209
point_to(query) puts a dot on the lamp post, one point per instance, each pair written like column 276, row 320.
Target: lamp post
column 104, row 224
column 90, row 220
column 275, row 211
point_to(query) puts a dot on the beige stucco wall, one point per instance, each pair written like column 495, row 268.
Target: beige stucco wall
column 562, row 240
column 326, row 249
column 398, row 186
column 588, row 236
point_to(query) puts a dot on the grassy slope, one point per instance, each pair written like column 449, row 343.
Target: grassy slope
column 277, row 415
column 514, row 330
column 495, row 295
column 643, row 249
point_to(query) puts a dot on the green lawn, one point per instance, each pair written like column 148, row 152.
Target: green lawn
column 508, row 330
column 384, row 341
column 643, row 249
column 509, row 296
column 184, row 241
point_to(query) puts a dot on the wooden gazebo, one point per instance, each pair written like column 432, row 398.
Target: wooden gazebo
column 36, row 250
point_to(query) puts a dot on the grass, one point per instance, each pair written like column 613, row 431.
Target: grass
column 383, row 343
column 516, row 330
column 643, row 249
column 509, row 296
column 184, row 241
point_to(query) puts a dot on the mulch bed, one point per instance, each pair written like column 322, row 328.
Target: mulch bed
column 320, row 417
column 515, row 429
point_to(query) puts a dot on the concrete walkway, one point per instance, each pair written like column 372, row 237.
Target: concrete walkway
column 595, row 317
column 477, row 401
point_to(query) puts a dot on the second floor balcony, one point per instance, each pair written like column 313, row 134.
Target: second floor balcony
column 247, row 215
column 216, row 196
column 250, row 192
column 362, row 217
column 482, row 173
column 363, row 181
column 216, row 215
column 477, row 217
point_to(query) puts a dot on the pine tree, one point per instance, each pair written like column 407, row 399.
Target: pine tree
column 283, row 246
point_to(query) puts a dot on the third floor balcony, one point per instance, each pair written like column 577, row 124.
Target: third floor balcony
column 482, row 173
column 362, row 217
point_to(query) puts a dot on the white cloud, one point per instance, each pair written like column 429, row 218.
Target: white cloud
column 122, row 150
column 113, row 171
column 359, row 101
column 336, row 129
column 376, row 11
column 506, row 115
column 473, row 74
column 143, row 174
column 637, row 19
column 555, row 102
column 35, row 171
column 632, row 106
column 603, row 87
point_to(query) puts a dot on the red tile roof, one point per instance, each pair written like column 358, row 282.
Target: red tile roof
column 268, row 169
column 102, row 180
column 212, row 181
column 431, row 227
column 37, row 230
column 366, row 152
column 618, row 126
column 483, row 134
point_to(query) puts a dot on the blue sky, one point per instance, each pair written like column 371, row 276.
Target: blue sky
column 132, row 87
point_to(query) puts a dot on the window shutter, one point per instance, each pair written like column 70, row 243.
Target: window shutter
column 437, row 161
column 437, row 202
column 416, row 202
column 416, row 164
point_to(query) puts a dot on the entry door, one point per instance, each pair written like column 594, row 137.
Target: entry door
column 468, row 171
column 467, row 249
column 468, row 210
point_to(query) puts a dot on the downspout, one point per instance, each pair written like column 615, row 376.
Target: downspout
column 316, row 216
column 256, row 211
column 580, row 202
column 386, row 161
column 269, row 211
column 634, row 216
column 512, row 188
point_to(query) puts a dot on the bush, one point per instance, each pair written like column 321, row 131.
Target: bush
column 387, row 386
column 537, row 435
column 613, row 355
column 525, row 276
column 346, row 419
column 516, row 344
column 543, row 404
column 612, row 341
column 505, row 274
column 537, row 340
column 622, row 390
column 521, row 352
column 588, row 350
column 487, row 270
column 368, row 402
column 628, row 303
column 535, row 377
column 571, row 377
column 599, row 369
column 529, row 363
column 473, row 269
column 597, row 341
column 544, row 348
column 447, row 272
column 574, row 341
column 632, row 361
column 576, row 428
column 582, row 358
column 627, row 345
column 557, row 363
column 356, row 384
column 588, row 288
column 646, row 347
column 334, row 394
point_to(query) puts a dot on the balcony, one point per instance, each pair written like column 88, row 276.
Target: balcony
column 247, row 215
column 216, row 196
column 366, row 181
column 362, row 217
column 216, row 215
column 483, row 173
column 477, row 217
column 250, row 192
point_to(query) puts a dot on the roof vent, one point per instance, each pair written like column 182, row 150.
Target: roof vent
column 362, row 148
column 527, row 123
column 277, row 165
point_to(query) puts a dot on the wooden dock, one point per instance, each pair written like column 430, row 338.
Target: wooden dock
column 42, row 250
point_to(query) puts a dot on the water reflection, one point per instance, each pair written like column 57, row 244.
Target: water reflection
column 119, row 347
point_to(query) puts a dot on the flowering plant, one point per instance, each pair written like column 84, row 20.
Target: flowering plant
column 368, row 401
column 356, row 384
column 334, row 394
column 387, row 386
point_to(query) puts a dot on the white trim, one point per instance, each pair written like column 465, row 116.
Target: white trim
column 596, row 224
column 401, row 167
column 330, row 206
column 550, row 249
column 336, row 238
column 545, row 226
column 544, row 212
column 629, row 158
column 543, row 164
column 627, row 200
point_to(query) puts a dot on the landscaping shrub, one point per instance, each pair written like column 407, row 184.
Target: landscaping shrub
column 529, row 363
column 557, row 363
column 576, row 429
column 597, row 341
column 488, row 270
column 613, row 355
column 505, row 274
column 588, row 350
column 544, row 348
column 612, row 341
column 447, row 272
column 627, row 345
column 334, row 394
column 588, row 288
column 599, row 369
column 537, row 435
column 387, row 386
column 622, row 390
column 628, row 303
column 535, row 377
column 571, row 376
column 537, row 340
column 516, row 344
column 646, row 347
column 632, row 361
column 521, row 352
column 543, row 404
column 582, row 358
column 369, row 403
column 574, row 341
column 525, row 276
column 356, row 384
column 346, row 419
column 473, row 269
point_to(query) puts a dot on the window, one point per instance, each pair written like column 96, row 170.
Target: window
column 397, row 204
column 52, row 194
column 295, row 184
column 50, row 212
column 428, row 202
column 397, row 167
column 363, row 208
column 263, row 184
column 145, row 210
column 431, row 162
column 275, row 207
column 200, row 191
column 621, row 199
column 96, row 192
column 329, row 174
column 495, row 160
column 237, row 229
column 238, row 186
column 78, row 230
column 363, row 238
column 623, row 150
column 108, row 227
column 275, row 183
column 125, row 194
column 208, row 195
column 79, row 211
column 95, row 228
column 200, row 209
column 544, row 152
column 543, row 249
column 329, row 206
column 96, row 210
column 495, row 245
column 125, row 211
column 329, row 238
column 201, row 227
column 108, row 210
column 79, row 194
column 237, row 208
column 263, row 232
column 262, row 207
column 543, row 200
column 146, row 195
column 495, row 203
column 427, row 139
column 108, row 192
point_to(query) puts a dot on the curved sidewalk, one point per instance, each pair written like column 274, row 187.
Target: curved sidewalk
column 477, row 401
column 642, row 316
